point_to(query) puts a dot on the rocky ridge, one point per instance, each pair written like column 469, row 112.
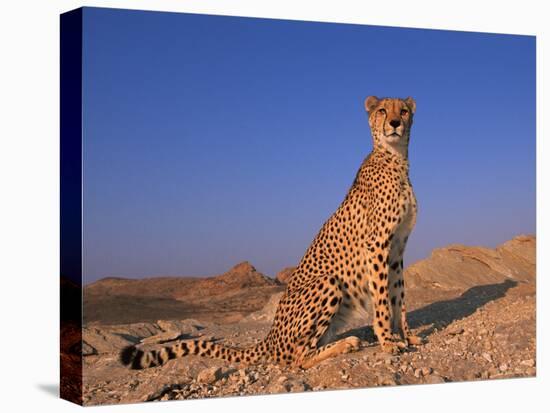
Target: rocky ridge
column 225, row 298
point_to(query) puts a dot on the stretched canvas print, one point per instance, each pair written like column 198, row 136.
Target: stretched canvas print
column 255, row 206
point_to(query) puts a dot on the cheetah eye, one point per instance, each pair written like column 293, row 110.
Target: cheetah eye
column 382, row 111
column 404, row 112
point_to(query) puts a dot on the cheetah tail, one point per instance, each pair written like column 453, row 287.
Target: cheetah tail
column 138, row 359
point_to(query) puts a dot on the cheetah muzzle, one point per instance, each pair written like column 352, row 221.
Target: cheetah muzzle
column 357, row 254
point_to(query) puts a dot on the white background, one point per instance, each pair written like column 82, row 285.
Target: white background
column 29, row 206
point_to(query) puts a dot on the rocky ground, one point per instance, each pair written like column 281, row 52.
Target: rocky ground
column 475, row 308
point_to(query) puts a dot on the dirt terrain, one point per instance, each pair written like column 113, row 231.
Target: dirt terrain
column 474, row 306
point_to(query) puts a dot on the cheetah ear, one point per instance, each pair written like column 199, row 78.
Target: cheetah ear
column 370, row 103
column 411, row 104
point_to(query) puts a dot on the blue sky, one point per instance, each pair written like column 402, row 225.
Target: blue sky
column 211, row 140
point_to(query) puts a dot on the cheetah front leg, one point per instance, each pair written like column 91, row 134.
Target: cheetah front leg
column 378, row 268
column 397, row 292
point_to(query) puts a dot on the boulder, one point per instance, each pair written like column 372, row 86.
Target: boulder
column 283, row 275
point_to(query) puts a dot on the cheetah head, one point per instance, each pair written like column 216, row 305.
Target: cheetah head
column 390, row 120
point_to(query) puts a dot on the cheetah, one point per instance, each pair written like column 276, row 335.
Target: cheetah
column 355, row 259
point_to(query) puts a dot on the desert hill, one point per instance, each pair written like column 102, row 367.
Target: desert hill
column 458, row 266
column 227, row 297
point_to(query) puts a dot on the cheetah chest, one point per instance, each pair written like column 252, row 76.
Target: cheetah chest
column 408, row 216
column 405, row 225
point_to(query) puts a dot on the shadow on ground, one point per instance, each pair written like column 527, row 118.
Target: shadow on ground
column 442, row 313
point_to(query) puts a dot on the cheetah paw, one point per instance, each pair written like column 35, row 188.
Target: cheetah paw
column 352, row 344
column 393, row 347
column 414, row 340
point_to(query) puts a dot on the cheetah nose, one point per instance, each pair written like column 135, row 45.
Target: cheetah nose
column 395, row 123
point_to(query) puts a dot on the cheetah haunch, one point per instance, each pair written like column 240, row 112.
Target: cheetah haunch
column 357, row 254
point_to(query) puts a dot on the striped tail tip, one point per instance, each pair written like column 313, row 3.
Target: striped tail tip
column 131, row 356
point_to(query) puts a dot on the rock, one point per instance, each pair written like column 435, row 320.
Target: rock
column 267, row 313
column 286, row 385
column 451, row 341
column 503, row 367
column 210, row 375
column 455, row 331
column 528, row 363
column 283, row 275
column 385, row 380
column 187, row 326
column 162, row 337
column 425, row 371
column 434, row 379
column 470, row 375
column 88, row 350
column 493, row 372
column 110, row 339
column 487, row 357
column 294, row 386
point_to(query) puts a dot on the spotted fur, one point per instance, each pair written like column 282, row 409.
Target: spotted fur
column 356, row 258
